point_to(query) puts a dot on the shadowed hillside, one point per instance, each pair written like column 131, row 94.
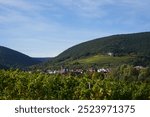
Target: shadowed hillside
column 12, row 59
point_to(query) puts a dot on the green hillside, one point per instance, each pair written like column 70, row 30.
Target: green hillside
column 126, row 48
column 137, row 43
column 12, row 59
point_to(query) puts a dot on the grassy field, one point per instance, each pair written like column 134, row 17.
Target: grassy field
column 106, row 60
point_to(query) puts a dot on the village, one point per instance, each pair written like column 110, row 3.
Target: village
column 82, row 71
column 78, row 71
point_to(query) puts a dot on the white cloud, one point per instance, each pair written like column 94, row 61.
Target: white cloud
column 18, row 4
column 81, row 8
column 85, row 8
column 99, row 8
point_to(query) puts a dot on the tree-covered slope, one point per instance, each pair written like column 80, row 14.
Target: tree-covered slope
column 12, row 59
column 3, row 67
column 124, row 44
column 132, row 48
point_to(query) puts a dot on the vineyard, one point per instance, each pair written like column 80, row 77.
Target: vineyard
column 122, row 83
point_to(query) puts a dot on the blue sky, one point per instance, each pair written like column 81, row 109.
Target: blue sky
column 45, row 28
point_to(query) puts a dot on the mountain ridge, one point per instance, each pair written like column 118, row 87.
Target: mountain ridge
column 10, row 58
column 105, row 42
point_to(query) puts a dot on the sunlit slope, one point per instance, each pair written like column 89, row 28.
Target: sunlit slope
column 106, row 60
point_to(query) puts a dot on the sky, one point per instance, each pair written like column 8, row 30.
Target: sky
column 45, row 28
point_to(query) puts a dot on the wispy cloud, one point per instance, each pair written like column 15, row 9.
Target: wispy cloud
column 17, row 5
column 100, row 8
column 85, row 8
column 24, row 9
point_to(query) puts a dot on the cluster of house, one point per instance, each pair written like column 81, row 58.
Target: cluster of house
column 81, row 71
column 78, row 71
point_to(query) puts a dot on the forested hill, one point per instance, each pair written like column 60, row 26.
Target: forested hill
column 126, row 49
column 137, row 43
column 12, row 59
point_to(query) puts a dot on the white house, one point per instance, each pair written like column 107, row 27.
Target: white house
column 110, row 53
